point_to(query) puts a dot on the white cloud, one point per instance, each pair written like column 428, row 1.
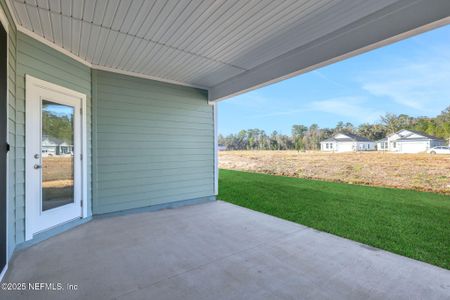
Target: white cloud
column 421, row 83
column 330, row 80
column 349, row 108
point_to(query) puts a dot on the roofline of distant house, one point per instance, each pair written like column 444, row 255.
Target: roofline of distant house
column 427, row 136
column 420, row 139
column 351, row 137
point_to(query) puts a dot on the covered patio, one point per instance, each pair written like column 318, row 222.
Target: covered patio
column 130, row 90
column 218, row 251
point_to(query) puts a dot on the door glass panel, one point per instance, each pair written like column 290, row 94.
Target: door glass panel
column 57, row 155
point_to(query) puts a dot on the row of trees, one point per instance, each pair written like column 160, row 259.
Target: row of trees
column 308, row 138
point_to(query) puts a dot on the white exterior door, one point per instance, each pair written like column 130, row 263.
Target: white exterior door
column 53, row 157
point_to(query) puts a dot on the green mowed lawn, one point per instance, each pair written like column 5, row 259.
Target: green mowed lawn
column 409, row 223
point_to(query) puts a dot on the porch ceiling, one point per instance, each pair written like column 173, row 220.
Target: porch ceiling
column 227, row 46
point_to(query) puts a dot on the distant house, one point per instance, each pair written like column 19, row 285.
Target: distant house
column 347, row 142
column 221, row 147
column 382, row 145
column 52, row 146
column 410, row 141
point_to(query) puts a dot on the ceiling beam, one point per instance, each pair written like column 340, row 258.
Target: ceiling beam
column 390, row 24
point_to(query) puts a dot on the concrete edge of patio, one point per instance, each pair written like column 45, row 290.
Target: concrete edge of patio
column 219, row 250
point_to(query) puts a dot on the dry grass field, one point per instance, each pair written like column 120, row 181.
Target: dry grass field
column 57, row 182
column 422, row 172
column 57, row 168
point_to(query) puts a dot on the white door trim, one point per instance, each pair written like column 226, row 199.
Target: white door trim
column 31, row 84
column 215, row 107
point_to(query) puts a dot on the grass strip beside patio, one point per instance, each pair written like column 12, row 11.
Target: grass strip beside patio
column 409, row 223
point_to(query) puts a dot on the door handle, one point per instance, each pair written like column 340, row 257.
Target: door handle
column 37, row 167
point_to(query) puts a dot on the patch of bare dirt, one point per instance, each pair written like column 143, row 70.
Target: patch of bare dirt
column 422, row 172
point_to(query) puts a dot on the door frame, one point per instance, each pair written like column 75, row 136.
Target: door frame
column 31, row 84
column 4, row 22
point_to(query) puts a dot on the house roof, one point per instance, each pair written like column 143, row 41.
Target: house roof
column 351, row 137
column 332, row 139
column 423, row 134
column 225, row 46
column 358, row 138
column 382, row 140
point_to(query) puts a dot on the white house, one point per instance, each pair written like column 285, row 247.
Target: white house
column 221, row 147
column 347, row 142
column 410, row 141
column 52, row 146
column 382, row 145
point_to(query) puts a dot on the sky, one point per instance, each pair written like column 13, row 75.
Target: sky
column 408, row 77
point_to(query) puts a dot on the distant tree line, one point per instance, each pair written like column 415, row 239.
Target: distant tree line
column 308, row 138
column 57, row 126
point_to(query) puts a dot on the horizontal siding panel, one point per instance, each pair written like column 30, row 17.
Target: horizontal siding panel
column 155, row 179
column 40, row 48
column 143, row 158
column 158, row 107
column 147, row 99
column 26, row 58
column 46, row 72
column 154, row 143
column 147, row 202
column 70, row 65
column 11, row 112
column 154, row 185
column 149, row 123
column 146, row 84
column 160, row 137
column 156, row 165
column 152, row 194
column 130, row 125
column 120, row 153
column 20, row 153
column 20, row 196
column 150, row 92
column 157, row 146
column 117, row 177
column 42, row 67
column 120, row 131
column 156, row 114
column 20, row 117
column 146, row 118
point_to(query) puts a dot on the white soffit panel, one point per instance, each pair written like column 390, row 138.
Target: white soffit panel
column 208, row 43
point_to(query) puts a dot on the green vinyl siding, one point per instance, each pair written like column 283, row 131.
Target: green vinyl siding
column 43, row 62
column 153, row 143
column 14, row 156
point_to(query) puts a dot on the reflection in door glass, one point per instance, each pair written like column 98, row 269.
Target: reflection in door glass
column 57, row 155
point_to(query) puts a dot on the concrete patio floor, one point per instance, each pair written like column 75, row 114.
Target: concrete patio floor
column 217, row 251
